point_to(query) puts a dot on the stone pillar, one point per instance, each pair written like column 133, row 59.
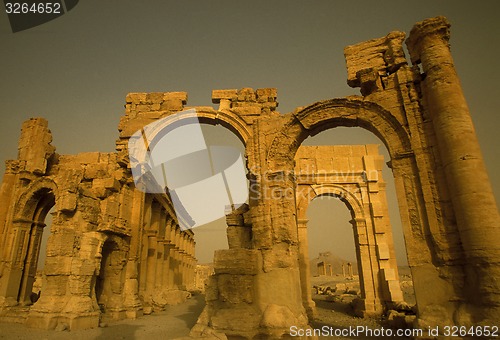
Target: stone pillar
column 30, row 264
column 177, row 259
column 166, row 255
column 182, row 257
column 150, row 261
column 132, row 302
column 152, row 243
column 238, row 235
column 476, row 212
column 365, row 253
column 13, row 268
column 160, row 249
column 193, row 262
column 305, row 270
column 172, row 259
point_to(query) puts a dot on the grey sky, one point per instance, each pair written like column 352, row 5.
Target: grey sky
column 76, row 70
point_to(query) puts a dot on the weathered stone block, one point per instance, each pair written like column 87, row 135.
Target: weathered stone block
column 182, row 96
column 266, row 94
column 236, row 261
column 67, row 202
column 98, row 170
column 136, row 98
column 235, row 289
column 217, row 95
column 87, row 158
column 58, row 265
column 383, row 252
column 108, row 183
column 211, row 289
column 172, row 105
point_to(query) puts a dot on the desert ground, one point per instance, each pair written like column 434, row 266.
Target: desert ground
column 333, row 309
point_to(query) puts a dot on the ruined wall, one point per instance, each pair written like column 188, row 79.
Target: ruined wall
column 96, row 245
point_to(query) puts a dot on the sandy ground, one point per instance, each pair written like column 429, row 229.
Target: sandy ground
column 174, row 322
column 340, row 315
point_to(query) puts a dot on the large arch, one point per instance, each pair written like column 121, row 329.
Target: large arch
column 156, row 130
column 353, row 112
column 327, row 114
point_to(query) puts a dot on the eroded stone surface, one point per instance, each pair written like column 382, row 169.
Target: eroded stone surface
column 115, row 246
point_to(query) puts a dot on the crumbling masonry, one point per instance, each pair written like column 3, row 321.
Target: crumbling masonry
column 113, row 252
column 448, row 212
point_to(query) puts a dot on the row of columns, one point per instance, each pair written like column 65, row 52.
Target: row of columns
column 167, row 258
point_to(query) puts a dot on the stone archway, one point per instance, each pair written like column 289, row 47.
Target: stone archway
column 354, row 175
column 22, row 255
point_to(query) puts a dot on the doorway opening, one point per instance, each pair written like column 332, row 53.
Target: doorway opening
column 36, row 247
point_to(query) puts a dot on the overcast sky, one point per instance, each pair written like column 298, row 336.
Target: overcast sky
column 76, row 70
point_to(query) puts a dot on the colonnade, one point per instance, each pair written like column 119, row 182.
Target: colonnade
column 167, row 255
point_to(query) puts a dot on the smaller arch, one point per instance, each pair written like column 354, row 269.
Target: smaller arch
column 29, row 216
column 42, row 191
column 346, row 196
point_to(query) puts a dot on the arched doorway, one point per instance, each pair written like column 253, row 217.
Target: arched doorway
column 110, row 279
column 38, row 206
column 351, row 112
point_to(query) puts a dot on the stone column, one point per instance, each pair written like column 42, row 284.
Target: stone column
column 305, row 270
column 476, row 212
column 152, row 243
column 143, row 247
column 132, row 302
column 184, row 258
column 194, row 261
column 13, row 270
column 172, row 259
column 366, row 255
column 177, row 259
column 160, row 248
column 166, row 255
column 30, row 264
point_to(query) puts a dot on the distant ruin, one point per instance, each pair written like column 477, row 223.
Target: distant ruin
column 115, row 246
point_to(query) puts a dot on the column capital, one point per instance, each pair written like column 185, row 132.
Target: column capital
column 434, row 28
